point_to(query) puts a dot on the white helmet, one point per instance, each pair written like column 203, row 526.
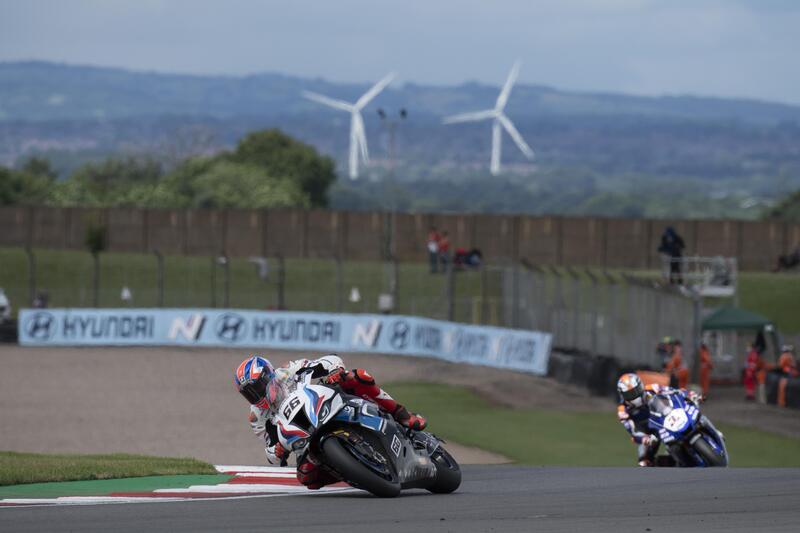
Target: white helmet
column 631, row 389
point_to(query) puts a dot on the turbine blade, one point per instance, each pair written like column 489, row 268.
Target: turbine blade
column 497, row 140
column 504, row 94
column 362, row 137
column 515, row 135
column 373, row 92
column 330, row 102
column 470, row 117
column 353, row 162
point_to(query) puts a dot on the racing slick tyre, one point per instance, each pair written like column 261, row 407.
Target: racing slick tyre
column 448, row 473
column 709, row 454
column 354, row 472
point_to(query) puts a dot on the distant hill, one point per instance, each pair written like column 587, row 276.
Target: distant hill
column 50, row 91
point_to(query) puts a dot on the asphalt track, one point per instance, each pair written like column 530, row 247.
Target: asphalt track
column 491, row 498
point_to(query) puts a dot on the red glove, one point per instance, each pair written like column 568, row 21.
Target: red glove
column 409, row 420
column 337, row 377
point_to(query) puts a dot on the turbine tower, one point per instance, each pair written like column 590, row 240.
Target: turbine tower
column 500, row 120
column 358, row 137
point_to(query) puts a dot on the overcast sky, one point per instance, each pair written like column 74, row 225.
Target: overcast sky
column 705, row 47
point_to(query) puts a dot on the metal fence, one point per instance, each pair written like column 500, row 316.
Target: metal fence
column 587, row 311
column 600, row 313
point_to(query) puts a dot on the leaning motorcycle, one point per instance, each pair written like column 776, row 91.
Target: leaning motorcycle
column 360, row 444
column 688, row 435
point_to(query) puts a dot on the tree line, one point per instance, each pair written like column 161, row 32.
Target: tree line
column 266, row 169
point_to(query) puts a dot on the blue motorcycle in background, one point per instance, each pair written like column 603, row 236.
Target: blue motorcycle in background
column 687, row 434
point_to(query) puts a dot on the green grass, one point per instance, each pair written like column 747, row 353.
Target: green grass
column 102, row 487
column 18, row 468
column 776, row 296
column 541, row 437
column 310, row 284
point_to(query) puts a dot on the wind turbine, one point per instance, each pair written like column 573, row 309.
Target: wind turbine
column 358, row 138
column 500, row 121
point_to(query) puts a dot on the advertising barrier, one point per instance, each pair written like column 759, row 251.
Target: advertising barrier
column 317, row 332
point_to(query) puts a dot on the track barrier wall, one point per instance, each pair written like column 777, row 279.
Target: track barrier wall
column 526, row 351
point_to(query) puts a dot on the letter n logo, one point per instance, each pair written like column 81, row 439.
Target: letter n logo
column 367, row 334
column 188, row 329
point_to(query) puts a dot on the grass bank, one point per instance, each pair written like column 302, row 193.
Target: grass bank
column 541, row 437
column 19, row 468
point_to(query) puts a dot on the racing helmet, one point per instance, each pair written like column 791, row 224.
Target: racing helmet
column 253, row 379
column 631, row 389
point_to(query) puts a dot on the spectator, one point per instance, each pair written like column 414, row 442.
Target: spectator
column 474, row 258
column 790, row 260
column 679, row 374
column 433, row 249
column 705, row 368
column 672, row 246
column 444, row 250
column 754, row 365
column 664, row 351
column 786, row 362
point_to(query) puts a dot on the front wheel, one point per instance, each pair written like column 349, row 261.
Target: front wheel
column 448, row 473
column 354, row 472
column 711, row 456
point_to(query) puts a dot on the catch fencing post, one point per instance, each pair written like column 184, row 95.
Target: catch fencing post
column 484, row 294
column 593, row 304
column 558, row 306
column 339, row 283
column 213, row 281
column 226, row 272
column 160, row 277
column 96, row 279
column 451, row 289
column 281, row 282
column 31, row 274
column 576, row 304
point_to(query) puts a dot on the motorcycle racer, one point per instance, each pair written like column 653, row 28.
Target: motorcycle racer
column 633, row 412
column 264, row 386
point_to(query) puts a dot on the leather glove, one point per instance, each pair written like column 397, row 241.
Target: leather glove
column 409, row 420
column 337, row 377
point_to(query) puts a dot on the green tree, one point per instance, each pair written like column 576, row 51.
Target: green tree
column 113, row 182
column 219, row 183
column 19, row 187
column 282, row 156
column 787, row 209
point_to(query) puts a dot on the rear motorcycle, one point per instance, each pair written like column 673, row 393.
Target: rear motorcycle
column 362, row 445
column 688, row 435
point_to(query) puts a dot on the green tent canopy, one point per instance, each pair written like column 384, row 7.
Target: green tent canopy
column 734, row 318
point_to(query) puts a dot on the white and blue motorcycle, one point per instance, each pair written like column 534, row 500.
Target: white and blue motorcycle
column 688, row 435
column 360, row 444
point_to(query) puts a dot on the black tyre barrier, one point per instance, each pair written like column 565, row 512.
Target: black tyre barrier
column 8, row 331
column 782, row 390
column 771, row 386
column 599, row 374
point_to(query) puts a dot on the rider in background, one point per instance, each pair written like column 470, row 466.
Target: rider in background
column 261, row 386
column 633, row 412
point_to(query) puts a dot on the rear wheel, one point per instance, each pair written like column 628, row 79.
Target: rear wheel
column 342, row 457
column 448, row 473
column 711, row 456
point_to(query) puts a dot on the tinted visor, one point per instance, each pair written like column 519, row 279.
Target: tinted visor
column 254, row 391
column 632, row 394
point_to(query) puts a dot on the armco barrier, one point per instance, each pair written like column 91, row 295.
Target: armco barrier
column 318, row 332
